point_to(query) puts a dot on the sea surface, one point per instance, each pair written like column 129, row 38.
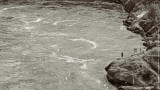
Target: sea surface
column 60, row 47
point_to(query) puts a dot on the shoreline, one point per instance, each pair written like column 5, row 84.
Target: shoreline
column 130, row 70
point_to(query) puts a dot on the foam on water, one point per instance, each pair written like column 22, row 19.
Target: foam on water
column 94, row 44
column 4, row 9
column 52, row 34
column 71, row 24
column 38, row 20
column 29, row 27
column 74, row 60
column 19, row 7
column 54, row 46
column 34, row 21
column 84, row 66
column 86, row 75
column 122, row 28
column 26, row 52
column 53, row 54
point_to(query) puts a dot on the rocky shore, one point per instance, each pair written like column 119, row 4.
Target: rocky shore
column 140, row 71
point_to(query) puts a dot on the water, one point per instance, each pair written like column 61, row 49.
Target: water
column 66, row 48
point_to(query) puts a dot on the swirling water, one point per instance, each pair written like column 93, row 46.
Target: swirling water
column 60, row 49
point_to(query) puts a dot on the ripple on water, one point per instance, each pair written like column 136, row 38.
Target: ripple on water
column 94, row 44
column 86, row 75
column 70, row 59
column 51, row 34
column 48, row 36
column 29, row 27
column 4, row 9
column 38, row 20
column 84, row 66
column 66, row 22
column 29, row 20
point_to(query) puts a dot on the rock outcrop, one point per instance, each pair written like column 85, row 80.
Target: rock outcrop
column 141, row 71
column 153, row 58
column 144, row 19
column 132, row 72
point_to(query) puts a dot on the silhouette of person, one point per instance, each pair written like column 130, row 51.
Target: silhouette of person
column 122, row 54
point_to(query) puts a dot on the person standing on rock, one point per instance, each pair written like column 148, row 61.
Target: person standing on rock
column 121, row 54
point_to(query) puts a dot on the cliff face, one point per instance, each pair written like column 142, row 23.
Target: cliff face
column 139, row 71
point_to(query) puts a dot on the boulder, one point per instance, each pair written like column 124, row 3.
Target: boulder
column 153, row 58
column 129, row 5
column 132, row 71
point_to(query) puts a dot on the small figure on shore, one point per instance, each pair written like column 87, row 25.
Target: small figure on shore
column 122, row 54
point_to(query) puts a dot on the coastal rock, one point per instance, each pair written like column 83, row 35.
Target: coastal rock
column 153, row 58
column 132, row 71
column 144, row 19
column 114, row 1
column 143, row 16
column 141, row 71
column 129, row 5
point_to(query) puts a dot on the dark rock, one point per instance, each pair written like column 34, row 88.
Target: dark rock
column 114, row 1
column 142, row 17
column 153, row 58
column 132, row 71
column 129, row 5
